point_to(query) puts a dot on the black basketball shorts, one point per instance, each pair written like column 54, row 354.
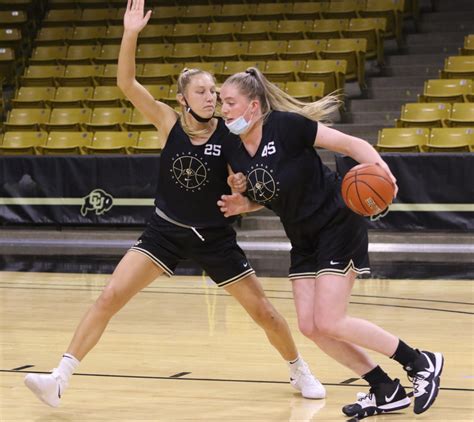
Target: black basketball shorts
column 336, row 248
column 166, row 244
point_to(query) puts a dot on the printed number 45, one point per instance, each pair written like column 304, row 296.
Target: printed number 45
column 269, row 149
column 212, row 150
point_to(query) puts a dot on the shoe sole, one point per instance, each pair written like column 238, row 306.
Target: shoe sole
column 436, row 380
column 36, row 391
column 401, row 404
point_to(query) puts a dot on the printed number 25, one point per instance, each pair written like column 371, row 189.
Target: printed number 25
column 212, row 150
column 269, row 149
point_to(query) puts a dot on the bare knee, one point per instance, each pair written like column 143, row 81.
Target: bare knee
column 267, row 316
column 109, row 302
column 307, row 327
column 328, row 327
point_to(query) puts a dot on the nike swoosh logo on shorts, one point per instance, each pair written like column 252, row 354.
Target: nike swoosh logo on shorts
column 389, row 399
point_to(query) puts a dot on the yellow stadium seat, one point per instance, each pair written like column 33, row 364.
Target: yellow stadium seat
column 189, row 52
column 303, row 49
column 211, row 67
column 305, row 91
column 21, row 119
column 451, row 140
column 109, row 75
column 446, row 90
column 468, row 47
column 62, row 17
column 265, row 50
column 67, row 119
column 327, row 28
column 111, row 142
column 330, row 72
column 235, row 12
column 17, row 19
column 108, row 118
column 353, row 51
column 108, row 54
column 424, row 115
column 458, row 67
column 283, row 70
column 166, row 14
column 11, row 38
column 226, row 50
column 50, row 54
column 402, row 139
column 114, row 33
column 160, row 73
column 54, row 35
column 256, row 30
column 62, row 4
column 87, row 34
column 343, row 9
column 291, row 29
column 33, row 97
column 21, row 143
column 274, row 11
column 462, row 115
column 221, row 31
column 138, row 122
column 97, row 16
column 200, row 13
column 158, row 91
column 149, row 142
column 58, row 143
column 80, row 54
column 106, row 96
column 80, row 75
column 153, row 53
column 42, row 75
column 306, row 10
column 155, row 33
column 372, row 29
column 71, row 96
column 186, row 32
column 392, row 11
column 8, row 63
column 171, row 98
column 232, row 67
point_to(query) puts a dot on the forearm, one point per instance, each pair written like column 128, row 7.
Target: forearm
column 253, row 206
column 126, row 71
column 361, row 151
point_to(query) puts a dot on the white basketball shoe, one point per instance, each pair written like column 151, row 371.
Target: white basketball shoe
column 304, row 381
column 47, row 387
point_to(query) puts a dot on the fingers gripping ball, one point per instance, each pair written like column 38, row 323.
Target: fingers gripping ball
column 367, row 189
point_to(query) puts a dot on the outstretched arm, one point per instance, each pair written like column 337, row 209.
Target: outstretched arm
column 356, row 148
column 160, row 114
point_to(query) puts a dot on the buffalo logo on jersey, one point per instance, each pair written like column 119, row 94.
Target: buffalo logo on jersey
column 261, row 186
column 190, row 172
column 98, row 201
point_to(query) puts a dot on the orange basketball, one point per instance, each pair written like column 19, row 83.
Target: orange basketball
column 367, row 189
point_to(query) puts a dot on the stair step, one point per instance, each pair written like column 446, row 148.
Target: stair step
column 446, row 26
column 374, row 117
column 451, row 49
column 250, row 222
column 396, row 81
column 448, row 6
column 376, row 105
column 454, row 16
column 434, row 38
column 406, row 94
column 428, row 71
column 416, row 59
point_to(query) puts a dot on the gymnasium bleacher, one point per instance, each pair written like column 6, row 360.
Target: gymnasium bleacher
column 58, row 64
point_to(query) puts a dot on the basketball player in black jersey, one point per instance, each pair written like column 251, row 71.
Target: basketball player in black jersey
column 187, row 222
column 273, row 144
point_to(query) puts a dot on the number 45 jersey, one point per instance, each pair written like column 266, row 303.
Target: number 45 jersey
column 192, row 178
column 286, row 173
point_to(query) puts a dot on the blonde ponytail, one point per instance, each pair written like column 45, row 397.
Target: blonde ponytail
column 253, row 84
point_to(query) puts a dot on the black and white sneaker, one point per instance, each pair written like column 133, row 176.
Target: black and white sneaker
column 425, row 374
column 386, row 397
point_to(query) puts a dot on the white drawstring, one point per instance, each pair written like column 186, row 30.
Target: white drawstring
column 176, row 223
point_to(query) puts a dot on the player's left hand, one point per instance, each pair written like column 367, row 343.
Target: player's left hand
column 234, row 204
column 237, row 182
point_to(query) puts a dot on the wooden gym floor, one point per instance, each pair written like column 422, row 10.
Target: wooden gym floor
column 184, row 350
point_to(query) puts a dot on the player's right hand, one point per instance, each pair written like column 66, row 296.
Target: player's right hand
column 134, row 20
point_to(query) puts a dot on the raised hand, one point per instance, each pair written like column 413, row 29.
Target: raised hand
column 237, row 182
column 233, row 204
column 134, row 20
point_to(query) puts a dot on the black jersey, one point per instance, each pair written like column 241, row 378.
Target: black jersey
column 192, row 178
column 286, row 174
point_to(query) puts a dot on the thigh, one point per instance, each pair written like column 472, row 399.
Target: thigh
column 249, row 293
column 304, row 290
column 134, row 272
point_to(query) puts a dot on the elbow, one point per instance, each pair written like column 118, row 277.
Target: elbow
column 124, row 85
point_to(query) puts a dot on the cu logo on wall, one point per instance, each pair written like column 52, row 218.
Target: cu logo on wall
column 97, row 201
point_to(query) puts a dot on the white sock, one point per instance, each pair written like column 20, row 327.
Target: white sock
column 293, row 364
column 66, row 367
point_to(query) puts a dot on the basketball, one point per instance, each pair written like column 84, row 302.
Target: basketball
column 367, row 189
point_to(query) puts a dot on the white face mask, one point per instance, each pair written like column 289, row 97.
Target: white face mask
column 239, row 125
